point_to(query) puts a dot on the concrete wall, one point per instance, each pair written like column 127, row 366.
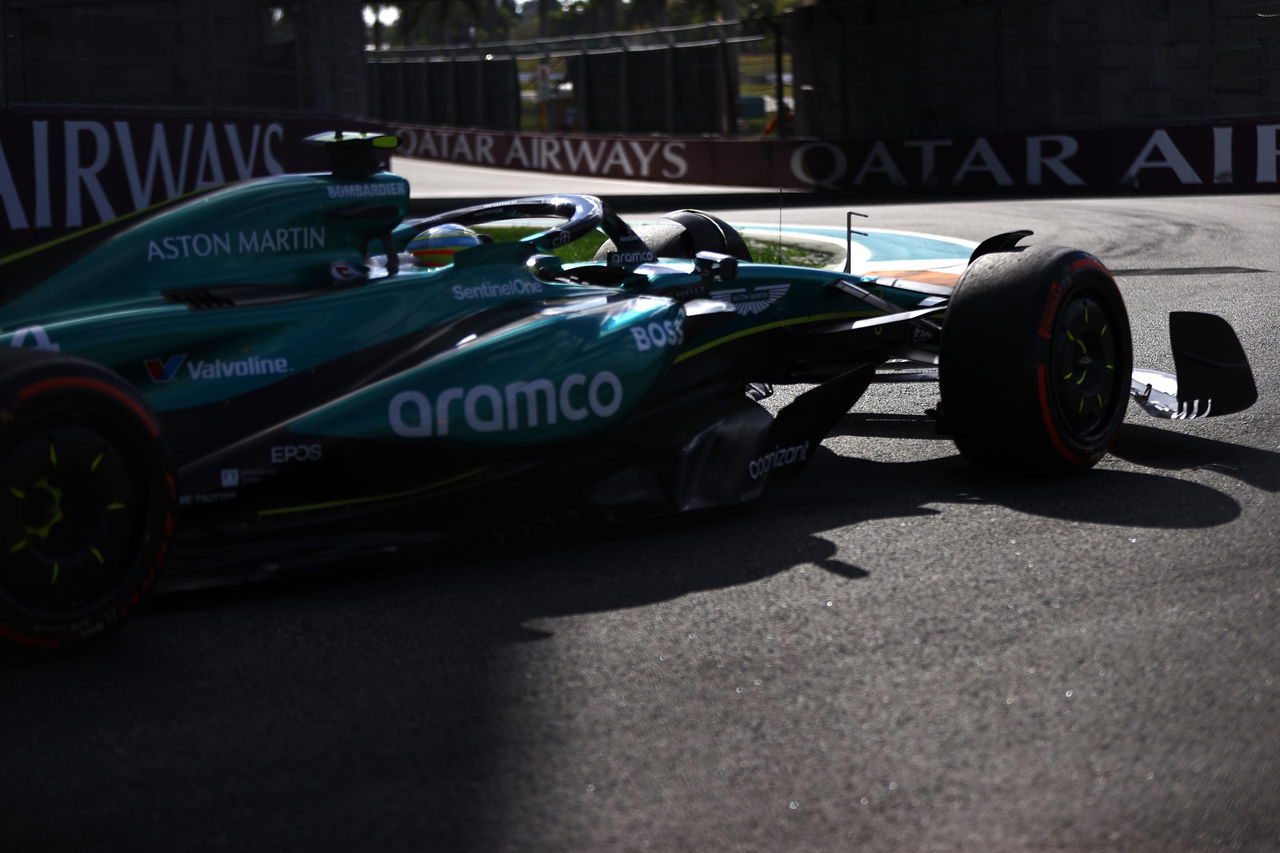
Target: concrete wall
column 868, row 68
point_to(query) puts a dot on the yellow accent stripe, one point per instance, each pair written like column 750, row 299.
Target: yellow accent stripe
column 371, row 499
column 115, row 506
column 31, row 251
column 97, row 461
column 97, row 555
column 795, row 321
column 56, row 571
column 17, row 493
column 16, row 548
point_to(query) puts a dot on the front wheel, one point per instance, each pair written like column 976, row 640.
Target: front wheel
column 1035, row 361
column 86, row 499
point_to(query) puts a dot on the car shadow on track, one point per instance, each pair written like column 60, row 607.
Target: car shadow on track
column 382, row 706
column 595, row 567
column 1169, row 450
column 1141, row 498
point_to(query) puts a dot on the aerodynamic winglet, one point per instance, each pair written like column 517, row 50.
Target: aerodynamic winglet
column 1213, row 373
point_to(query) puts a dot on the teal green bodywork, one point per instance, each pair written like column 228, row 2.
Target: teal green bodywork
column 286, row 230
column 580, row 360
column 555, row 376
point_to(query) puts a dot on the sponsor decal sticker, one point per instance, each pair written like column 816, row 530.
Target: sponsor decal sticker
column 206, row 498
column 668, row 333
column 622, row 259
column 37, row 334
column 516, row 406
column 343, row 271
column 492, row 290
column 230, row 478
column 178, row 247
column 282, row 453
column 778, row 458
column 166, row 370
column 380, row 189
column 749, row 301
column 1045, row 329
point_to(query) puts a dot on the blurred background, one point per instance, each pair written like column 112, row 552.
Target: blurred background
column 838, row 68
column 109, row 107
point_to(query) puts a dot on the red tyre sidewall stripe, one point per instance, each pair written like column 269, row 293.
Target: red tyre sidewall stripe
column 1092, row 264
column 65, row 382
column 61, row 383
column 1050, row 311
column 1047, row 318
column 29, row 639
column 1046, row 415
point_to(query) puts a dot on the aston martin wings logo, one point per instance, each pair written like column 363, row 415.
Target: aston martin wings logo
column 751, row 301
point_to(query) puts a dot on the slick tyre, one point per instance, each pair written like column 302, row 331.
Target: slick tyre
column 1035, row 361
column 684, row 233
column 86, row 499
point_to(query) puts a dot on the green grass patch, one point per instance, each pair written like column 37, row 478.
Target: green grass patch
column 582, row 249
column 764, row 252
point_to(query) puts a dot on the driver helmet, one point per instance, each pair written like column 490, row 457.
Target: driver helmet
column 436, row 246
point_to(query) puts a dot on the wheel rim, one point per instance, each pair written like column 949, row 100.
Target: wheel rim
column 1085, row 348
column 71, row 514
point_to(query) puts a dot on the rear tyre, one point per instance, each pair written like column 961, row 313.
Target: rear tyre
column 86, row 499
column 684, row 233
column 1035, row 361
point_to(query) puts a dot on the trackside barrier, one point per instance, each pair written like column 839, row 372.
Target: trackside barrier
column 1225, row 156
column 68, row 170
column 62, row 172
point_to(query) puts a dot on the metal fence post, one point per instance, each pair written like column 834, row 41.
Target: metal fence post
column 452, row 104
column 624, row 111
column 669, row 80
column 5, row 70
column 584, row 117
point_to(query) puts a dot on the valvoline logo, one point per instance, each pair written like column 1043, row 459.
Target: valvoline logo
column 163, row 370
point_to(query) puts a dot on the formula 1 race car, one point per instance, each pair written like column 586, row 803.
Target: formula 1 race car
column 265, row 370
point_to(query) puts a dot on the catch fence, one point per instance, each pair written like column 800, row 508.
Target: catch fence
column 672, row 80
column 205, row 55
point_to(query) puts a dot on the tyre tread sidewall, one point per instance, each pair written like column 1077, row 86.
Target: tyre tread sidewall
column 35, row 385
column 995, row 352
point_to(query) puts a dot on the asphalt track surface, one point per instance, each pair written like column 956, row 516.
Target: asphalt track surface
column 891, row 652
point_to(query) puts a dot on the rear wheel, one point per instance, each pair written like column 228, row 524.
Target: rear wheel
column 86, row 499
column 1035, row 361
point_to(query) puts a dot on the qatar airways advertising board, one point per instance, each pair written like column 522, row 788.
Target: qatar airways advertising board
column 1226, row 157
column 66, row 172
